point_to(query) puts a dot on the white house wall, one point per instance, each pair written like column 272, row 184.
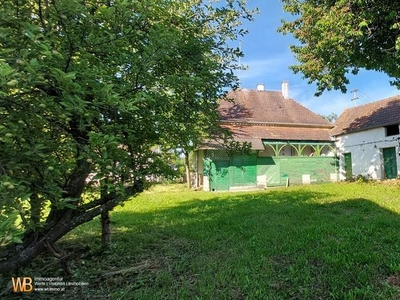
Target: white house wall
column 366, row 152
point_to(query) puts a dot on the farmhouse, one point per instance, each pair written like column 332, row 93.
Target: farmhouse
column 289, row 143
column 368, row 140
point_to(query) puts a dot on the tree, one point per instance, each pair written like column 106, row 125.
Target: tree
column 87, row 90
column 195, row 128
column 331, row 118
column 341, row 37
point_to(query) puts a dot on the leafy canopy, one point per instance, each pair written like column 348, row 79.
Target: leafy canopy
column 88, row 89
column 340, row 37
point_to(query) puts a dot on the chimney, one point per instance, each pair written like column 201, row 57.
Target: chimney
column 285, row 89
column 260, row 87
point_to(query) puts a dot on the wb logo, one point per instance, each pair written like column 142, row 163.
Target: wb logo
column 22, row 284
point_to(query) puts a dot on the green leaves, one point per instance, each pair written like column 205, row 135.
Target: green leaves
column 89, row 91
column 339, row 37
column 363, row 23
column 9, row 232
column 5, row 70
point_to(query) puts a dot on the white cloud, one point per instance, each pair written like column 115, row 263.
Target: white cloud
column 261, row 69
column 267, row 67
column 268, row 56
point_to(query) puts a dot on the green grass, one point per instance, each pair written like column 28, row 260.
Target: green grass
column 331, row 241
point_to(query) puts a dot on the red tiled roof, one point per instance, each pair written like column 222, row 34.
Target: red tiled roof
column 266, row 107
column 377, row 114
column 286, row 133
column 254, row 116
column 257, row 133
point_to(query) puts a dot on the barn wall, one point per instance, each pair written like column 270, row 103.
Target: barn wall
column 366, row 151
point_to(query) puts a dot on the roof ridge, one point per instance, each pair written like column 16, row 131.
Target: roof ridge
column 376, row 114
column 395, row 97
column 267, row 106
column 283, row 124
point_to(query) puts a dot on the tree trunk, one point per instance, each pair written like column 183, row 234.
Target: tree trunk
column 187, row 170
column 19, row 255
column 105, row 230
column 105, row 220
column 36, row 209
column 16, row 256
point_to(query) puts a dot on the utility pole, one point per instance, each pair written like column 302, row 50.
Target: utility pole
column 354, row 96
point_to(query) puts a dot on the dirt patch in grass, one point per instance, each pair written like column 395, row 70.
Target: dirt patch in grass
column 147, row 265
column 394, row 281
column 391, row 182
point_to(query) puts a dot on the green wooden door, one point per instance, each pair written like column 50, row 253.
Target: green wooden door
column 348, row 165
column 389, row 162
column 243, row 170
column 216, row 167
column 220, row 176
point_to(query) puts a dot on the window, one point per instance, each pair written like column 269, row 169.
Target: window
column 392, row 130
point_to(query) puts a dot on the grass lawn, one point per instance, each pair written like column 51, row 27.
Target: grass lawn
column 330, row 241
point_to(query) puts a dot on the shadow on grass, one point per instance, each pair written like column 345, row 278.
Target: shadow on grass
column 275, row 245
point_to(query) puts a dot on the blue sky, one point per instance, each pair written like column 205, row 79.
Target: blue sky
column 268, row 57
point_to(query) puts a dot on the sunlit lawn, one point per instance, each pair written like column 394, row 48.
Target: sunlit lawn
column 331, row 241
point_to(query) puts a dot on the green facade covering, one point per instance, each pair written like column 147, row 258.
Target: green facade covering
column 226, row 171
column 279, row 169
